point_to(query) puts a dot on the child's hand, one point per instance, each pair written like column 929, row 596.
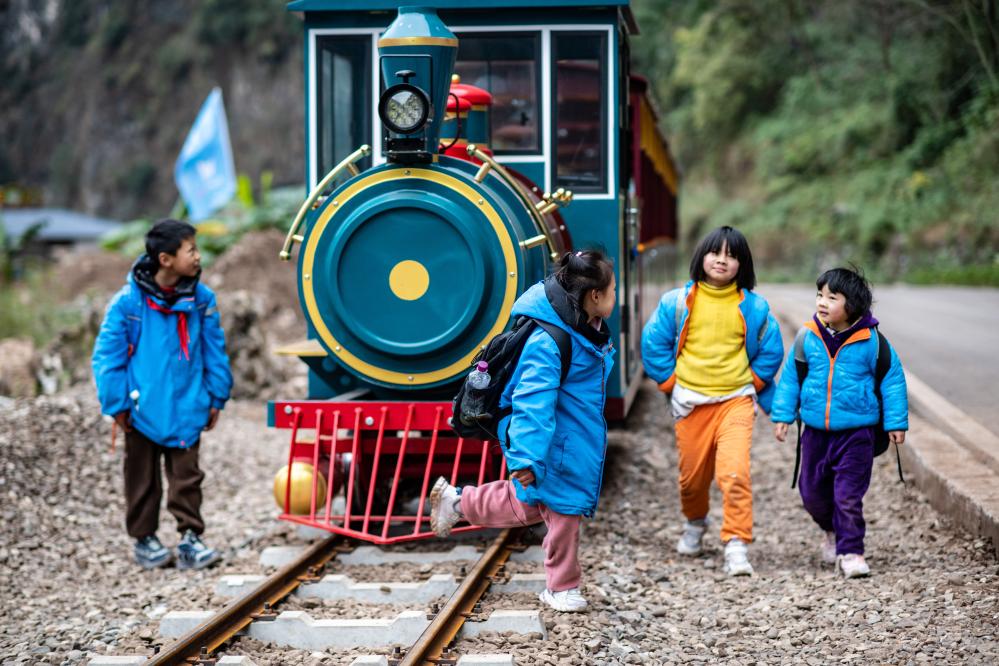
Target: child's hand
column 896, row 437
column 780, row 431
column 124, row 420
column 213, row 417
column 524, row 476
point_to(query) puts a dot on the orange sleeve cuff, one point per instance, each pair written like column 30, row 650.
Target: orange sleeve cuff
column 667, row 386
column 758, row 383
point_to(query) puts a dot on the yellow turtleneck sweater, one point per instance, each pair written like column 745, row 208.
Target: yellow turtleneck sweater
column 713, row 360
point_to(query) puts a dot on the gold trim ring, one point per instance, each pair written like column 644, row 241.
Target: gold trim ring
column 417, row 41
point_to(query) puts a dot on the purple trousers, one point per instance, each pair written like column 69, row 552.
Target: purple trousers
column 835, row 474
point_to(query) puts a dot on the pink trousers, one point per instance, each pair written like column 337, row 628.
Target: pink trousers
column 496, row 505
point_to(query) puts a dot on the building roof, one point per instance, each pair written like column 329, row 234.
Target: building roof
column 58, row 225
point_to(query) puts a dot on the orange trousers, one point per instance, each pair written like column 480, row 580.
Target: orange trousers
column 714, row 441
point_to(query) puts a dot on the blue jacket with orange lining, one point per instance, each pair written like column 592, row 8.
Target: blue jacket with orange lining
column 838, row 391
column 666, row 331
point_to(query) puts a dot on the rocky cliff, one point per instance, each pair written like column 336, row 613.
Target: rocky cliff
column 98, row 95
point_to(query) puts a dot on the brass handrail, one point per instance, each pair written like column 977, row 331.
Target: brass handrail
column 347, row 163
column 537, row 211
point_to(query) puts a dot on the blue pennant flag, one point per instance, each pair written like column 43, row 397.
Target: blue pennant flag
column 204, row 172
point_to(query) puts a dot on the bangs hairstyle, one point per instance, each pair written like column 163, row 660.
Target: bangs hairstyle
column 851, row 283
column 583, row 271
column 738, row 247
column 167, row 236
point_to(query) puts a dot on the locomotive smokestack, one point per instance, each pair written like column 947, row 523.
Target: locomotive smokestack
column 417, row 59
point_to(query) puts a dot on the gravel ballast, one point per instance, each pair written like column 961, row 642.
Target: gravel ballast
column 71, row 590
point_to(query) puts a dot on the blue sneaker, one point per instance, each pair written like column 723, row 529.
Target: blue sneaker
column 151, row 554
column 193, row 554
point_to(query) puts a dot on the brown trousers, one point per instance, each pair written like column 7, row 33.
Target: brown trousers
column 144, row 486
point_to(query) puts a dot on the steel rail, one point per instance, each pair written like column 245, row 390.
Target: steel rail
column 429, row 648
column 206, row 638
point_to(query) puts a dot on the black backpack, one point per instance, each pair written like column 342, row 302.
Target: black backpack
column 476, row 412
column 881, row 367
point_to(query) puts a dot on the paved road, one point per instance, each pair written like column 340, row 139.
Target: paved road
column 946, row 336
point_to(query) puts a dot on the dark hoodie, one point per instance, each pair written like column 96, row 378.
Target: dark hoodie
column 144, row 275
column 569, row 312
column 835, row 340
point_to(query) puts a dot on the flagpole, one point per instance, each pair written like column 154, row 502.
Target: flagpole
column 179, row 210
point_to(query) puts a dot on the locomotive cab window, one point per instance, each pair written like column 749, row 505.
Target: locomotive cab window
column 580, row 135
column 507, row 66
column 343, row 89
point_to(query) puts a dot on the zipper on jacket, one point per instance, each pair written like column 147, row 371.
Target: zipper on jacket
column 832, row 367
column 603, row 404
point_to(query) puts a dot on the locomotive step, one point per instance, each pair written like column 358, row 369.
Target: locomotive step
column 339, row 586
column 299, row 630
column 279, row 556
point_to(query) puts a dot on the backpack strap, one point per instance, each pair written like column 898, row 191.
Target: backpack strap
column 133, row 317
column 801, row 367
column 564, row 344
column 881, row 367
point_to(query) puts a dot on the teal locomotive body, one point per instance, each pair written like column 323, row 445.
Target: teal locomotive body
column 413, row 246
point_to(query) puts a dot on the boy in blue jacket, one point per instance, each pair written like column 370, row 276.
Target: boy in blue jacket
column 162, row 372
column 840, row 410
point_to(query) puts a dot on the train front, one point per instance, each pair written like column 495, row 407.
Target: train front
column 405, row 271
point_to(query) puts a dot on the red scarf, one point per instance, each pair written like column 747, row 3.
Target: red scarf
column 181, row 324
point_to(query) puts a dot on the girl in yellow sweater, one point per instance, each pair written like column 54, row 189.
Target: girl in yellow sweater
column 715, row 348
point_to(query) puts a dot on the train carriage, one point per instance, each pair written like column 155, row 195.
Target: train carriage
column 452, row 154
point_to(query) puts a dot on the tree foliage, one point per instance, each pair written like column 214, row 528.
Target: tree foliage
column 835, row 129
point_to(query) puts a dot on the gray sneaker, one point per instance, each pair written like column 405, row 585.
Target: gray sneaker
column 693, row 534
column 445, row 507
column 151, row 554
column 192, row 553
column 736, row 560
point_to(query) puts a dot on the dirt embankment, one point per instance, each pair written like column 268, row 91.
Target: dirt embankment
column 258, row 302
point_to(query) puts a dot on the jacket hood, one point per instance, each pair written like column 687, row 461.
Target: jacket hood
column 549, row 302
column 143, row 274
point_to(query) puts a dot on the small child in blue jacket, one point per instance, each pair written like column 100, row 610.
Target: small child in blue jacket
column 840, row 410
column 162, row 372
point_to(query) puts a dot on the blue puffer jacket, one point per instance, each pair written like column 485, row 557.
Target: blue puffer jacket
column 662, row 340
column 138, row 350
column 838, row 392
column 558, row 432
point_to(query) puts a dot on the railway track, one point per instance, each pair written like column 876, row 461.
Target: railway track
column 436, row 629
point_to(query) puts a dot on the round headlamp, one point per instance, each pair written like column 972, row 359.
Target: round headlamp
column 404, row 108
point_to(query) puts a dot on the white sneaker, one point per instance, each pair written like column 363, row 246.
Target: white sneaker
column 567, row 601
column 693, row 534
column 853, row 566
column 736, row 562
column 445, row 507
column 829, row 548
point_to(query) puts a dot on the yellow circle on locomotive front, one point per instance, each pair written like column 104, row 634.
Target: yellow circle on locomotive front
column 409, row 280
column 308, row 266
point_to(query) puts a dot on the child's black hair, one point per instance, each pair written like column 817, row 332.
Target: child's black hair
column 738, row 247
column 582, row 271
column 853, row 285
column 167, row 236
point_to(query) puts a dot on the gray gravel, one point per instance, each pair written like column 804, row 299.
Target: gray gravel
column 71, row 590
